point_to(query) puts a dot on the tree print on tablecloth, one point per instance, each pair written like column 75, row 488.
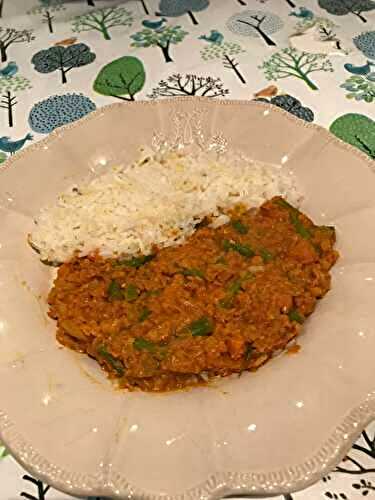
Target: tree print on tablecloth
column 9, row 88
column 46, row 10
column 359, row 88
column 290, row 104
column 255, row 24
column 41, row 489
column 351, row 465
column 189, row 85
column 344, row 7
column 3, row 451
column 103, row 20
column 225, row 51
column 9, row 36
column 177, row 8
column 357, row 130
column 162, row 38
column 49, row 114
column 122, row 78
column 365, row 42
column 144, row 6
column 63, row 59
column 290, row 62
column 365, row 487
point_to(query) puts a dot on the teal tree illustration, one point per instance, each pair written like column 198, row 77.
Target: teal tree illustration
column 365, row 42
column 290, row 62
column 9, row 36
column 189, row 85
column 344, row 7
column 359, row 88
column 59, row 110
column 103, row 20
column 9, row 88
column 122, row 78
column 361, row 85
column 46, row 10
column 63, row 59
column 255, row 24
column 357, row 130
column 162, row 38
column 176, row 8
column 224, row 51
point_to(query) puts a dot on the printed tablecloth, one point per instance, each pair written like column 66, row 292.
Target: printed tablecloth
column 314, row 58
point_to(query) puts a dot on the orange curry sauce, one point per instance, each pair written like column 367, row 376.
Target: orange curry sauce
column 223, row 302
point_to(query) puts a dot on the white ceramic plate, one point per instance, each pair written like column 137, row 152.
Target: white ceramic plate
column 274, row 431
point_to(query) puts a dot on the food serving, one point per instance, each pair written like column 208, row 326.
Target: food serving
column 217, row 276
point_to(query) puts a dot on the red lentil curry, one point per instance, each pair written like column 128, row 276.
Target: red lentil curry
column 225, row 301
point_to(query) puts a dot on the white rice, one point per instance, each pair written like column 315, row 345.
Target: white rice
column 158, row 200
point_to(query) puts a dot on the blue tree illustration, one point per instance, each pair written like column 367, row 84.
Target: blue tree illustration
column 365, row 42
column 58, row 110
column 176, row 8
column 63, row 59
column 344, row 7
column 255, row 23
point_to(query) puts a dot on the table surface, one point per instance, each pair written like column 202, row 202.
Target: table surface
column 218, row 48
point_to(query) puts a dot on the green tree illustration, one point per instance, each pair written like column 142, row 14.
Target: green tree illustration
column 162, row 38
column 177, row 8
column 224, row 51
column 3, row 451
column 9, row 88
column 46, row 10
column 357, row 130
column 121, row 78
column 359, row 88
column 63, row 59
column 103, row 20
column 290, row 62
column 343, row 7
column 9, row 36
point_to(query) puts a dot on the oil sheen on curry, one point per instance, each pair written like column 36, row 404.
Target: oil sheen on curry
column 224, row 301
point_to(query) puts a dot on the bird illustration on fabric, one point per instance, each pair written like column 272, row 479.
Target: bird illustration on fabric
column 154, row 25
column 11, row 147
column 10, row 70
column 214, row 37
column 67, row 41
column 303, row 13
column 359, row 70
column 269, row 91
